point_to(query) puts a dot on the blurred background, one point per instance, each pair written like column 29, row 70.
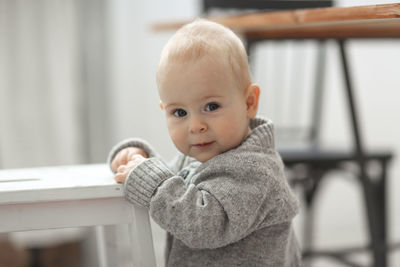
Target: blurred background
column 77, row 76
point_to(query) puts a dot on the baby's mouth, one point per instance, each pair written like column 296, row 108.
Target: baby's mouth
column 203, row 145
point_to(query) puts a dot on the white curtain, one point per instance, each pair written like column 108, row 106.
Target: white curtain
column 52, row 108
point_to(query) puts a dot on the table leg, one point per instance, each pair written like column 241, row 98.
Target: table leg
column 141, row 238
column 107, row 245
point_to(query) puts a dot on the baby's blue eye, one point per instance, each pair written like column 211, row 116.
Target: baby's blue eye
column 180, row 112
column 212, row 107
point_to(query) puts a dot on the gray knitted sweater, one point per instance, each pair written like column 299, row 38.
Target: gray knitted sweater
column 235, row 209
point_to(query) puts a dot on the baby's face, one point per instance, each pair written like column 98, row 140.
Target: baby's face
column 206, row 113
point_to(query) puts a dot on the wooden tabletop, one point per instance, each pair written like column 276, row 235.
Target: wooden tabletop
column 374, row 21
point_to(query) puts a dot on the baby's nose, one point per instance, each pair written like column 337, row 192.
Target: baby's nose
column 198, row 126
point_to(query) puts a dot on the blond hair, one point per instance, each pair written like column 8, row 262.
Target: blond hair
column 203, row 38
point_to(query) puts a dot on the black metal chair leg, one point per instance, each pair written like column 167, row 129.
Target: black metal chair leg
column 308, row 221
column 381, row 223
column 373, row 226
column 374, row 195
column 308, row 229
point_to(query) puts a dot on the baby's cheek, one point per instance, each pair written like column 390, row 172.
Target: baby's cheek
column 179, row 140
column 232, row 132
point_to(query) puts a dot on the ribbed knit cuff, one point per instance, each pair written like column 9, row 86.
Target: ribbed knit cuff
column 144, row 179
column 131, row 142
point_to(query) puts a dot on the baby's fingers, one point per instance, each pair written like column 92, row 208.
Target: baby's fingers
column 120, row 159
column 122, row 173
column 120, row 177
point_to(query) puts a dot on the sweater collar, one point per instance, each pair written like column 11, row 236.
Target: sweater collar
column 262, row 133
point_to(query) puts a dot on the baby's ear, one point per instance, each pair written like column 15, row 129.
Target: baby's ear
column 161, row 105
column 252, row 96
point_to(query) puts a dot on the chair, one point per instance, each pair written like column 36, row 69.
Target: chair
column 308, row 166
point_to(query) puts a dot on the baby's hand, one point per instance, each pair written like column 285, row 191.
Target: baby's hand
column 123, row 170
column 126, row 155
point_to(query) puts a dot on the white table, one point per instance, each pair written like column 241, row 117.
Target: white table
column 74, row 196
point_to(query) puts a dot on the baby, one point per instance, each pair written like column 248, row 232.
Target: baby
column 224, row 201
